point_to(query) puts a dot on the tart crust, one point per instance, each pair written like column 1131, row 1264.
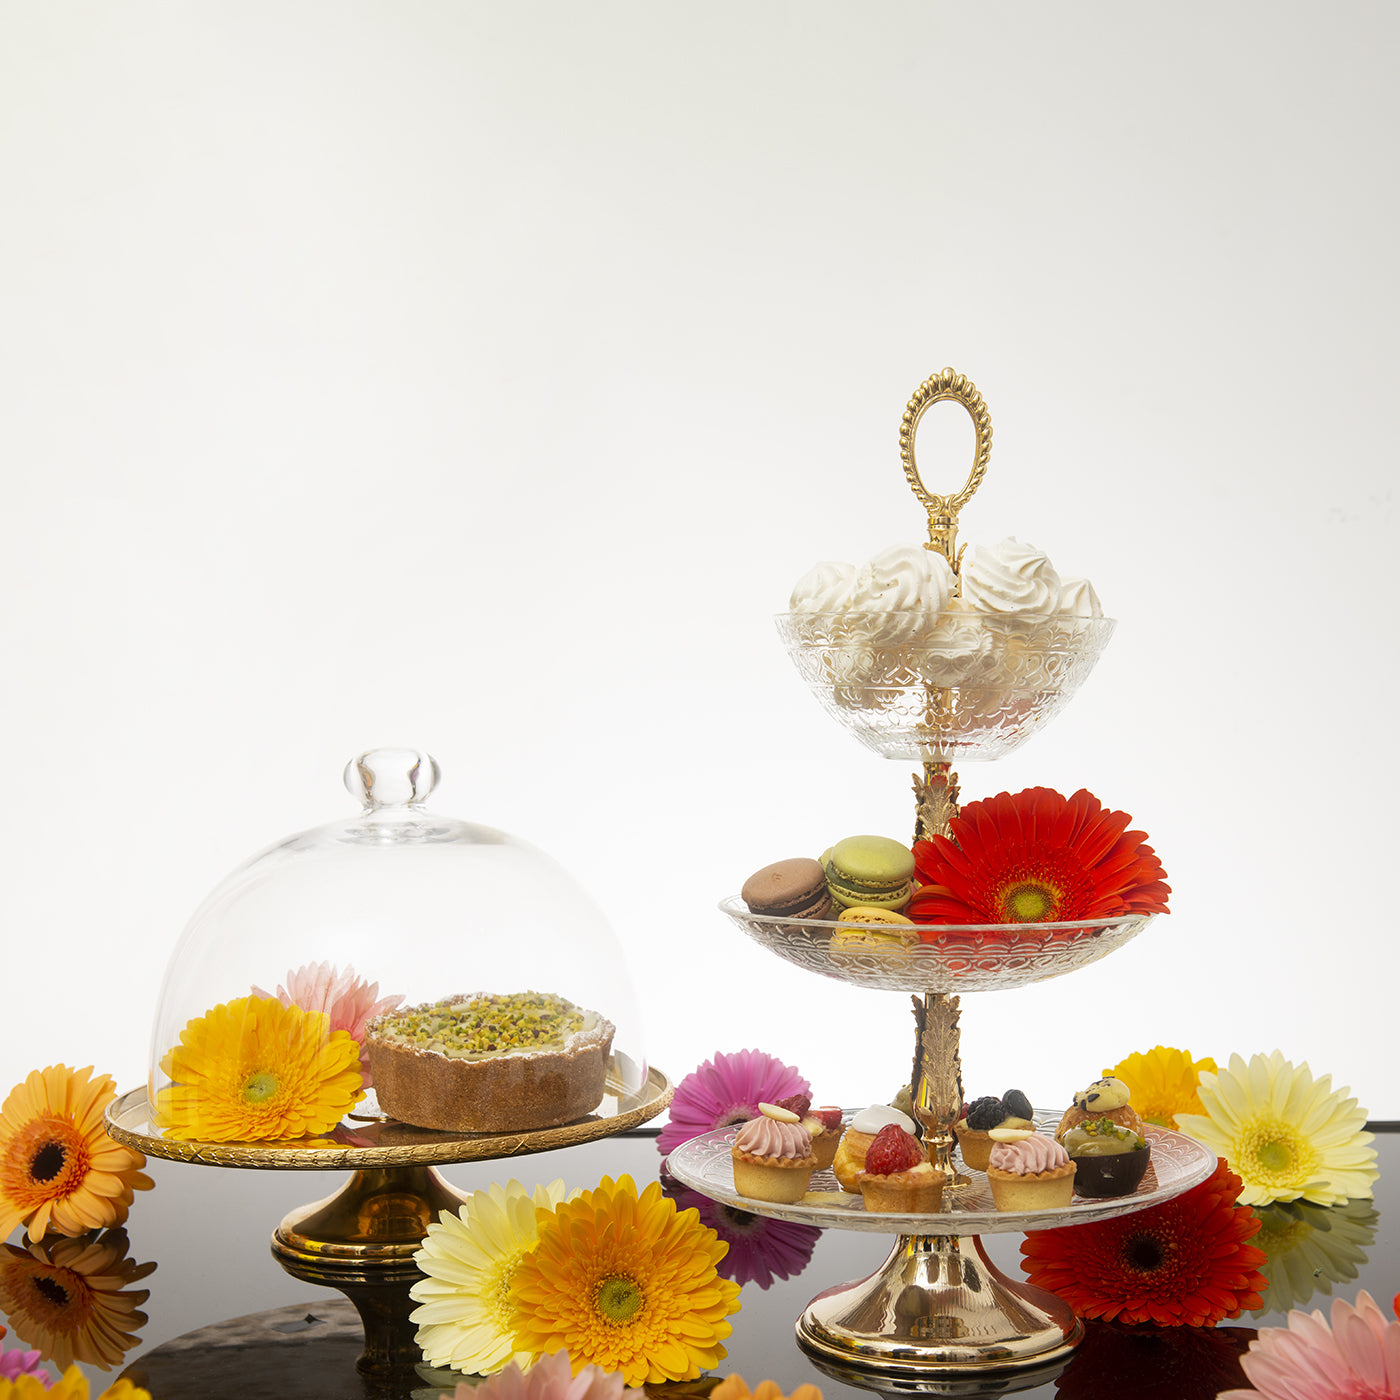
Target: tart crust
column 500, row 1091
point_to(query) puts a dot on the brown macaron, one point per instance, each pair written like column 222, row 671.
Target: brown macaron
column 789, row 889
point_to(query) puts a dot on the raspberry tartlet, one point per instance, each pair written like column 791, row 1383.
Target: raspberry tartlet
column 898, row 1176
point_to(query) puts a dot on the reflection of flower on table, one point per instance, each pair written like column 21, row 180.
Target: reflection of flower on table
column 71, row 1297
column 1145, row 1362
column 761, row 1249
column 1312, row 1247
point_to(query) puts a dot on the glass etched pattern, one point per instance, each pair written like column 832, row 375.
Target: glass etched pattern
column 1177, row 1164
column 966, row 958
column 972, row 686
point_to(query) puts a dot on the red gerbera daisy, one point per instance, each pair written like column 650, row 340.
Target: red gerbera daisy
column 1182, row 1262
column 1037, row 857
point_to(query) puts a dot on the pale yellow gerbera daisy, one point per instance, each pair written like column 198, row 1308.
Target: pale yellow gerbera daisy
column 253, row 1070
column 627, row 1283
column 71, row 1385
column 1163, row 1083
column 59, row 1170
column 1286, row 1135
column 470, row 1258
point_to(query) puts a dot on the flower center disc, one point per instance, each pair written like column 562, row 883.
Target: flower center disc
column 1028, row 904
column 259, row 1087
column 618, row 1298
column 48, row 1161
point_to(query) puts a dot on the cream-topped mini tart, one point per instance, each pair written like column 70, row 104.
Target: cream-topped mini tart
column 486, row 1063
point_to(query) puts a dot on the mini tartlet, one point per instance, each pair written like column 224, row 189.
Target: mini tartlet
column 773, row 1159
column 1109, row 1160
column 973, row 1130
column 1034, row 1173
column 898, row 1175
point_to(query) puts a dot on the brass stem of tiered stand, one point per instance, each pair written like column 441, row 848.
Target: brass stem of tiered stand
column 938, row 1309
column 361, row 1241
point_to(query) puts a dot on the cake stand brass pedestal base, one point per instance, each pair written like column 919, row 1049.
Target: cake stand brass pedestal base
column 938, row 1308
column 362, row 1241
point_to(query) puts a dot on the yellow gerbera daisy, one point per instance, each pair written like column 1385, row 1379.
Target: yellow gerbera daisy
column 470, row 1258
column 251, row 1070
column 1286, row 1135
column 71, row 1385
column 69, row 1298
column 58, row 1168
column 1163, row 1083
column 627, row 1283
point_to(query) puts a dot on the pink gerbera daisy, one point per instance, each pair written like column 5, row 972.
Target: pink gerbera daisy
column 1356, row 1357
column 727, row 1089
column 15, row 1363
column 350, row 1001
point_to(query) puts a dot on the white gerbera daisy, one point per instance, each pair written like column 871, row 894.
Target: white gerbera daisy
column 465, row 1317
column 1285, row 1134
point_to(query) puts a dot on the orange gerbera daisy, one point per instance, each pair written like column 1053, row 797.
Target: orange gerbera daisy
column 69, row 1298
column 59, row 1170
column 625, row 1282
column 1036, row 857
column 1182, row 1262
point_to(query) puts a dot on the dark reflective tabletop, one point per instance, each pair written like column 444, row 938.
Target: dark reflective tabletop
column 224, row 1319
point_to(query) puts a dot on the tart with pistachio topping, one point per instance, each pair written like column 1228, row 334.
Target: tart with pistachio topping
column 490, row 1064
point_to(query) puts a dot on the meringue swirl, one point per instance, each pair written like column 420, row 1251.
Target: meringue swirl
column 766, row 1137
column 1011, row 578
column 1030, row 1156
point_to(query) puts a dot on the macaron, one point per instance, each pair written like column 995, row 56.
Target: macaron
column 790, row 889
column 869, row 870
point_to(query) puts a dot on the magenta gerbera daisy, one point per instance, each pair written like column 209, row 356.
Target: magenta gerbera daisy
column 727, row 1089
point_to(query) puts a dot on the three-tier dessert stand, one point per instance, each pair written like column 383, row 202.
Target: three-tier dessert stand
column 938, row 1311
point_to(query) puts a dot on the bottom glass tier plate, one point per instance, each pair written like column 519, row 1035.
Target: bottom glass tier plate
column 1178, row 1163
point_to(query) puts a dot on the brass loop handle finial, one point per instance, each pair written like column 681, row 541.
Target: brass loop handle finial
column 943, row 510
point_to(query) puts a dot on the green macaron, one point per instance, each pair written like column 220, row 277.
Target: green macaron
column 873, row 870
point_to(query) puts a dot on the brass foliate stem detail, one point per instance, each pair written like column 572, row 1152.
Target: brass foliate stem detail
column 935, row 801
column 937, row 1091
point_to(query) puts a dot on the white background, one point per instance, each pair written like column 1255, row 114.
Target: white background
column 480, row 377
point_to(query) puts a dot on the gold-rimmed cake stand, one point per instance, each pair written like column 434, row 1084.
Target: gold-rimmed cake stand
column 361, row 1239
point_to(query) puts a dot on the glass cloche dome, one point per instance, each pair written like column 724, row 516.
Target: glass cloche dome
column 393, row 968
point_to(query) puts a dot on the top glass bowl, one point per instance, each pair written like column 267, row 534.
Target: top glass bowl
column 973, row 686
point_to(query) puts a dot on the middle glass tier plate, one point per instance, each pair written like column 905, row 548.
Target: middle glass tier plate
column 706, row 1164
column 965, row 958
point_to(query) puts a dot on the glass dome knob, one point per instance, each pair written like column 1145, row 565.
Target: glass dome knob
column 391, row 777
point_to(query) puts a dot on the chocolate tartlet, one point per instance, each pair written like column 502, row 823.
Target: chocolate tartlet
column 490, row 1064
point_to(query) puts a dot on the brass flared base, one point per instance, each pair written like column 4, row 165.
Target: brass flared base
column 937, row 1307
column 362, row 1241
